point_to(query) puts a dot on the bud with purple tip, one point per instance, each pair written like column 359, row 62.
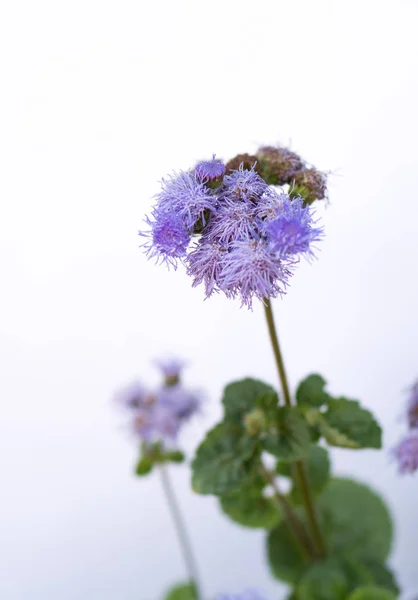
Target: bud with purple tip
column 210, row 170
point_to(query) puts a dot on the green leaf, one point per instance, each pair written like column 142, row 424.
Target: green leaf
column 318, row 466
column 154, row 454
column 358, row 534
column 284, row 468
column 291, row 440
column 355, row 521
column 325, row 580
column 334, row 436
column 223, row 460
column 144, row 465
column 371, row 592
column 154, row 451
column 240, row 397
column 354, row 422
column 314, row 432
column 184, row 591
column 382, row 576
column 355, row 571
column 311, row 391
column 334, row 578
column 175, row 456
column 249, row 507
column 285, row 559
column 318, row 471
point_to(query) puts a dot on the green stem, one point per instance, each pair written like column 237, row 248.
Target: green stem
column 299, row 467
column 308, row 502
column 180, row 526
column 295, row 525
column 276, row 350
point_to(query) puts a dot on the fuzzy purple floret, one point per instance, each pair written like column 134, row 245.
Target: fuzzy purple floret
column 406, row 453
column 187, row 196
column 293, row 230
column 183, row 202
column 234, row 220
column 243, row 184
column 204, row 264
column 209, row 170
column 250, row 270
column 168, row 238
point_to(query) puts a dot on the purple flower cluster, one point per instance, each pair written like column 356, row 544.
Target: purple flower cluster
column 406, row 452
column 158, row 415
column 249, row 237
column 247, row 595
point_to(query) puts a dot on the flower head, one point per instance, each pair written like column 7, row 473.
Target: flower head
column 158, row 415
column 178, row 400
column 251, row 270
column 135, row 396
column 250, row 236
column 169, row 238
column 292, row 231
column 406, row 453
column 234, row 220
column 142, row 424
column 243, row 184
column 247, row 595
column 412, row 407
column 159, row 424
column 187, row 196
column 210, row 170
column 204, row 264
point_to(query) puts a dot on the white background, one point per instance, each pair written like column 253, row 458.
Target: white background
column 98, row 101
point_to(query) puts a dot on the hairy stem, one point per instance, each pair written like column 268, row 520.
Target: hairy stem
column 180, row 526
column 295, row 525
column 298, row 465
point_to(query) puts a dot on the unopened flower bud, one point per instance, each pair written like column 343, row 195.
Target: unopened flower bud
column 278, row 165
column 310, row 184
column 255, row 421
column 246, row 160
